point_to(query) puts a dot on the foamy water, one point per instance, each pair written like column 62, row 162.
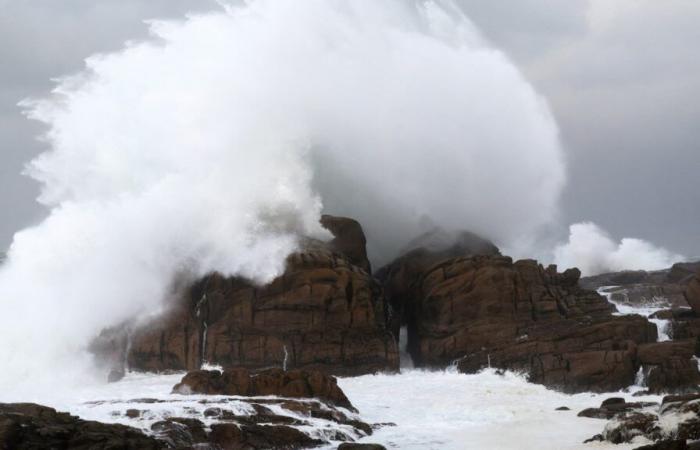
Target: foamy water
column 646, row 310
column 432, row 410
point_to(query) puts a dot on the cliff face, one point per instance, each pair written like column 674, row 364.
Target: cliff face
column 325, row 312
column 463, row 304
column 479, row 311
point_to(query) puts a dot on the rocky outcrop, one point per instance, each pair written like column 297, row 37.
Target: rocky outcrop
column 692, row 293
column 669, row 425
column 326, row 312
column 669, row 366
column 237, row 409
column 348, row 240
column 401, row 277
column 31, row 426
column 612, row 407
column 472, row 307
column 241, row 382
column 685, row 322
column 485, row 311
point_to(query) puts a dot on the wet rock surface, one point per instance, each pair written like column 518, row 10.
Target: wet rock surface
column 326, row 312
column 242, row 382
column 479, row 309
column 482, row 311
column 675, row 423
column 207, row 422
column 31, row 426
column 664, row 288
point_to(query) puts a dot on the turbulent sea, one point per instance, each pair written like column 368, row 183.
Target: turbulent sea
column 430, row 409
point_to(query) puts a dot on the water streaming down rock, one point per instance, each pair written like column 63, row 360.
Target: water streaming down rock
column 645, row 310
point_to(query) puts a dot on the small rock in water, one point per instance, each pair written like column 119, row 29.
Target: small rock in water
column 563, row 408
column 354, row 446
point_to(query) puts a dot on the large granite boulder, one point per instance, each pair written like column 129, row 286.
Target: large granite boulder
column 481, row 311
column 326, row 312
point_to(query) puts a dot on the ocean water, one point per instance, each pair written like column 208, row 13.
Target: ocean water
column 429, row 409
column 442, row 410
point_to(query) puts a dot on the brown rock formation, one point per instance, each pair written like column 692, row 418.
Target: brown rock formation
column 669, row 425
column 325, row 312
column 241, row 382
column 25, row 426
column 489, row 310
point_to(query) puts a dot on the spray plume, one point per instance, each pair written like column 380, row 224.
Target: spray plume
column 218, row 142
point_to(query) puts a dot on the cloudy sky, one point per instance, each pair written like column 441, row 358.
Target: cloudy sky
column 622, row 77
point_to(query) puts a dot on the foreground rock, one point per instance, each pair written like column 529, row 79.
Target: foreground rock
column 32, row 426
column 267, row 410
column 485, row 310
column 326, row 312
column 239, row 381
column 670, row 425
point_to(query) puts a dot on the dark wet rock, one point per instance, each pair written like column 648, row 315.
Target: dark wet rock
column 180, row 432
column 677, row 418
column 675, row 444
column 669, row 366
column 357, row 446
column 563, row 408
column 488, row 311
column 242, row 382
column 132, row 413
column 348, row 239
column 613, row 407
column 485, row 310
column 596, row 438
column 641, row 288
column 630, row 425
column 400, row 277
column 254, row 437
column 31, row 426
column 692, row 293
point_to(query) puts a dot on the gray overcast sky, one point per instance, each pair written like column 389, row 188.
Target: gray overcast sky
column 622, row 77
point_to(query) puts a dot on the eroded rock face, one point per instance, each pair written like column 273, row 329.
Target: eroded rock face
column 31, row 426
column 326, row 312
column 242, row 382
column 482, row 311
